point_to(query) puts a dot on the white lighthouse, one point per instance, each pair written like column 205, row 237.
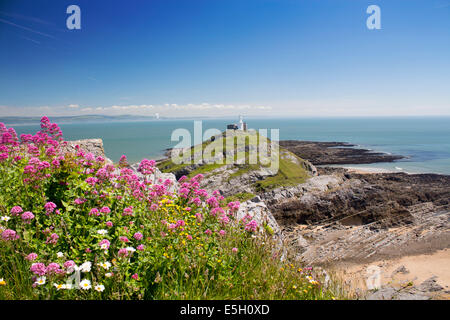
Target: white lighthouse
column 241, row 123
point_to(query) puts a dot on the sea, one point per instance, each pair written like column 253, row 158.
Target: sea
column 425, row 141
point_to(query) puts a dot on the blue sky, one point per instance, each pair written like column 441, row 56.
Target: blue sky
column 208, row 57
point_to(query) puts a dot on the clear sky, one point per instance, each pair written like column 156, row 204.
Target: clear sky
column 207, row 57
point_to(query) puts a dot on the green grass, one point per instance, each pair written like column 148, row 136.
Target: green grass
column 168, row 166
column 204, row 169
column 241, row 197
column 289, row 174
column 243, row 170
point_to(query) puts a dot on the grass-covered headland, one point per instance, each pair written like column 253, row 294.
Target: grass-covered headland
column 73, row 226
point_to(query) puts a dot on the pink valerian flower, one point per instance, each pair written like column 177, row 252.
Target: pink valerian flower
column 222, row 232
column 94, row 212
column 69, row 265
column 234, row 206
column 224, row 219
column 51, row 152
column 53, row 239
column 49, row 207
column 9, row 235
column 124, row 239
column 128, row 211
column 38, row 268
column 199, row 177
column 105, row 210
column 123, row 252
column 16, row 210
column 80, row 201
column 88, row 250
column 147, row 166
column 56, row 163
column 53, row 268
column 180, row 223
column 183, row 192
column 216, row 211
column 140, row 247
column 123, row 162
column 27, row 216
column 138, row 236
column 104, row 244
column 91, row 181
column 201, row 193
column 212, row 202
column 251, row 226
column 197, row 201
column 135, row 276
column 154, row 207
column 234, row 250
column 31, row 257
column 4, row 156
column 208, row 232
column 109, row 224
column 172, row 226
column 189, row 237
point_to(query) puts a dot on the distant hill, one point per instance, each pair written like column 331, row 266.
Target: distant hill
column 66, row 119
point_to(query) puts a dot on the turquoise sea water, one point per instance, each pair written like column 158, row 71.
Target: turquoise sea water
column 426, row 141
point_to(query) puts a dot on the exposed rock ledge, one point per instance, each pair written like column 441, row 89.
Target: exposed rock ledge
column 94, row 146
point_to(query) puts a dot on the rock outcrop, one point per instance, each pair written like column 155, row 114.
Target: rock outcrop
column 94, row 146
column 321, row 153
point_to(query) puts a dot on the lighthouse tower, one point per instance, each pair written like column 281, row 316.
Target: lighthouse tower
column 241, row 123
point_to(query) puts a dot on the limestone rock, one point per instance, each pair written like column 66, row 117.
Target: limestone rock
column 94, row 146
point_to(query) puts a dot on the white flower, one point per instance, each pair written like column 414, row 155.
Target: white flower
column 41, row 280
column 5, row 218
column 60, row 254
column 85, row 284
column 86, row 267
column 105, row 265
column 108, row 275
column 99, row 288
column 102, row 231
column 59, row 286
column 130, row 249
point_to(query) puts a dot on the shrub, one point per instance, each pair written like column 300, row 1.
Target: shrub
column 76, row 227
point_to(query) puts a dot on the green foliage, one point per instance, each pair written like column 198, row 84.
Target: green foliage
column 290, row 173
column 129, row 238
column 241, row 196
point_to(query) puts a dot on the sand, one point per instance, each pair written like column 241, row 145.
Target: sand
column 419, row 268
